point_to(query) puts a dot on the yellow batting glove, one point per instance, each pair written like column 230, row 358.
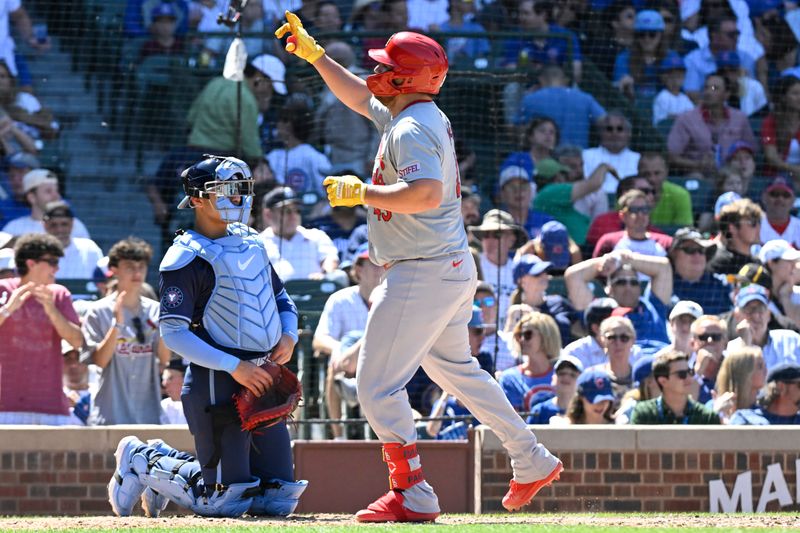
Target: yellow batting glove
column 347, row 191
column 300, row 43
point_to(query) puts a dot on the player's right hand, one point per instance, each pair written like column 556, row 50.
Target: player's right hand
column 254, row 378
column 347, row 191
column 300, row 43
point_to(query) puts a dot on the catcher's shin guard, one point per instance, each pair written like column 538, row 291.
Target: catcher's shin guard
column 124, row 488
column 279, row 498
column 405, row 471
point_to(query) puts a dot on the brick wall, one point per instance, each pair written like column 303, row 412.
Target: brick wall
column 630, row 476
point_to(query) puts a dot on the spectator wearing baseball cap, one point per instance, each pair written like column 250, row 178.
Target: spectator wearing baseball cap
column 780, row 403
column 12, row 195
column 692, row 280
column 557, row 195
column 747, row 94
column 554, row 246
column 531, row 276
column 589, row 349
column 683, row 314
column 567, row 369
column 674, row 405
column 648, row 51
column 80, row 255
column 40, row 187
column 593, row 400
column 781, row 260
column 164, row 38
column 516, row 193
column 752, row 315
column 778, row 199
column 671, row 101
column 296, row 252
column 645, row 388
column 739, row 231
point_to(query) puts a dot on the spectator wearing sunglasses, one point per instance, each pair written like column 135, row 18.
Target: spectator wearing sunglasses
column 780, row 404
column 615, row 136
column 536, row 339
column 673, row 205
column 752, row 315
column 35, row 315
column 589, row 349
column 778, row 222
column 689, row 255
column 610, row 221
column 675, row 405
column 635, row 207
column 739, row 230
column 618, row 339
column 81, row 255
column 781, row 259
column 122, row 338
column 648, row 311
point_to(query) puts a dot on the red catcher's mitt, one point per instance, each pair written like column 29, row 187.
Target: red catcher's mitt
column 275, row 405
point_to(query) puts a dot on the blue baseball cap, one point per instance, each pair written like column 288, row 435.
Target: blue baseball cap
column 724, row 199
column 648, row 20
column 362, row 252
column 728, row 59
column 595, row 386
column 751, row 293
column 530, row 265
column 164, row 9
column 555, row 242
column 642, row 368
column 673, row 61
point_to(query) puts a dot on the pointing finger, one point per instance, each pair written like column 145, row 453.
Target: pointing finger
column 280, row 32
column 293, row 20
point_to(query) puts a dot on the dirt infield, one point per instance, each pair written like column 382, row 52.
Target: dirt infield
column 722, row 521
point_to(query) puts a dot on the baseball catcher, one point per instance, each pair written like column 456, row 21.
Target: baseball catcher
column 225, row 310
column 417, row 234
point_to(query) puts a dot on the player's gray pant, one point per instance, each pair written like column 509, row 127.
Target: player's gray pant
column 419, row 317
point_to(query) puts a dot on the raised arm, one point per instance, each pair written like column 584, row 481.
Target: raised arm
column 577, row 278
column 349, row 88
column 659, row 270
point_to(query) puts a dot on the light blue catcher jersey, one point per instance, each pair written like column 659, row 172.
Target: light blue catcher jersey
column 241, row 312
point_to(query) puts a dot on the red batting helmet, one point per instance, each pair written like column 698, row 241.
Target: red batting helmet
column 419, row 65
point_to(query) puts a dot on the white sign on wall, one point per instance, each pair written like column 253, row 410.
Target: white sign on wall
column 740, row 499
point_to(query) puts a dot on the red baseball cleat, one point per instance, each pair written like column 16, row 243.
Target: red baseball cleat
column 520, row 494
column 389, row 508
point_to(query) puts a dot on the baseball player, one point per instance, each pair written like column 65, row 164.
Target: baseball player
column 421, row 308
column 225, row 310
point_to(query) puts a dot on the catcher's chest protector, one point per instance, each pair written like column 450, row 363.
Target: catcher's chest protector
column 241, row 312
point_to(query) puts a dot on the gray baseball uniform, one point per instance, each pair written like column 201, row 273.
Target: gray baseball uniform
column 421, row 308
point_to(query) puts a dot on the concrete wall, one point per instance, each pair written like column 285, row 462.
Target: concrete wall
column 65, row 470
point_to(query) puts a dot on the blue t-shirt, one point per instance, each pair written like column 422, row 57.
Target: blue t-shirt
column 649, row 319
column 573, row 110
column 520, row 389
column 709, row 291
column 760, row 417
column 542, row 412
column 648, row 85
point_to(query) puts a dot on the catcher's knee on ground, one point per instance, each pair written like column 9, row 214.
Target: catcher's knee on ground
column 278, row 497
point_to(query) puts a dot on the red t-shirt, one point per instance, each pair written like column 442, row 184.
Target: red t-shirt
column 31, row 364
column 608, row 222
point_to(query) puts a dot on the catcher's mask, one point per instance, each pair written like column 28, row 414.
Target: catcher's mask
column 418, row 65
column 228, row 179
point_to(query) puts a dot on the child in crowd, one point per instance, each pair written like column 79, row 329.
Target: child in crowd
column 671, row 101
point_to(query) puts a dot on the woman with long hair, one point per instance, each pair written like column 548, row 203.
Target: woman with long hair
column 743, row 372
column 636, row 69
column 780, row 131
column 535, row 338
column 593, row 402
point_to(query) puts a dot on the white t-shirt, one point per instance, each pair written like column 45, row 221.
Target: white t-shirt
column 423, row 13
column 26, row 224
column 593, row 204
column 752, row 95
column 506, row 287
column 7, row 45
column 791, row 234
column 80, row 259
column 668, row 105
column 626, row 163
column 172, row 412
column 300, row 256
column 589, row 351
column 302, row 168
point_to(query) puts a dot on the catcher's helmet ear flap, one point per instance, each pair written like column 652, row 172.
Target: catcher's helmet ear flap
column 418, row 65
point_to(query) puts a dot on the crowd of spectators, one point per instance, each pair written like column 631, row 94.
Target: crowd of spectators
column 610, row 291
